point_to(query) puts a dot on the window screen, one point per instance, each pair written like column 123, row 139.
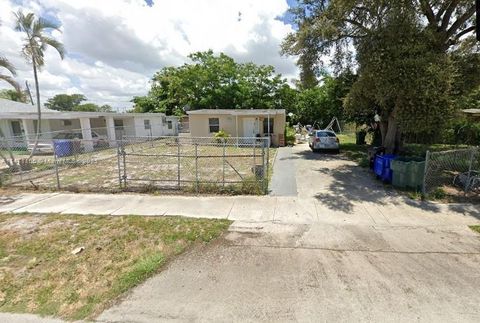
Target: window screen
column 146, row 124
column 214, row 124
column 266, row 125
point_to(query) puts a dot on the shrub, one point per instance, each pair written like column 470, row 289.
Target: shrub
column 221, row 135
column 466, row 132
column 289, row 136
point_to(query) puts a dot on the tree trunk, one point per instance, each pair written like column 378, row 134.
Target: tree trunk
column 38, row 128
column 392, row 135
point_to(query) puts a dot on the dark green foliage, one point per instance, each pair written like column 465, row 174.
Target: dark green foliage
column 415, row 59
column 215, row 82
column 72, row 102
column 65, row 102
column 465, row 132
column 321, row 103
column 13, row 95
column 401, row 76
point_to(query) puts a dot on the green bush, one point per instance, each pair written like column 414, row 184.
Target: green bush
column 289, row 136
column 465, row 132
column 221, row 135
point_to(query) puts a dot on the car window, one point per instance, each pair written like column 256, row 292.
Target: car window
column 324, row 134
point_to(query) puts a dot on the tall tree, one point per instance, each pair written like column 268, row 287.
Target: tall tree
column 340, row 28
column 65, row 102
column 213, row 82
column 36, row 41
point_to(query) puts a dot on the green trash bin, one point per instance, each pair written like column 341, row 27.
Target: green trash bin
column 408, row 172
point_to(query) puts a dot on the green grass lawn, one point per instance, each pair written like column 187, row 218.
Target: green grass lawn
column 39, row 274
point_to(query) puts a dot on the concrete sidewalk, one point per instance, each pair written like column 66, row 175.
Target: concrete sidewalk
column 296, row 210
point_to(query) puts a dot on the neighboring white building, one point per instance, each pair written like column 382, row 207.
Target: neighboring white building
column 19, row 120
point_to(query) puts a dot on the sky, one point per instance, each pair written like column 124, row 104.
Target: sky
column 115, row 46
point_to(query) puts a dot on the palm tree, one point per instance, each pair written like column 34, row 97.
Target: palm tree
column 37, row 40
column 4, row 63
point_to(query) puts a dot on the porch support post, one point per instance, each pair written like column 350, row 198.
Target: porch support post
column 29, row 129
column 86, row 134
column 111, row 131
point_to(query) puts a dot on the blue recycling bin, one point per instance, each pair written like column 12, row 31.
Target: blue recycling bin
column 62, row 148
column 382, row 167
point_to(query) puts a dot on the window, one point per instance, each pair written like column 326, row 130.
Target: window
column 169, row 125
column 118, row 124
column 266, row 124
column 214, row 124
column 67, row 122
column 146, row 124
column 164, row 120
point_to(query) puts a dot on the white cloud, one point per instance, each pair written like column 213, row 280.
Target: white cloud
column 114, row 47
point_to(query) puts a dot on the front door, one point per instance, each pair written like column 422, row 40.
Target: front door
column 249, row 127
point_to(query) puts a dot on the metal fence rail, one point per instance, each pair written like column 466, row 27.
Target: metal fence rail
column 198, row 164
column 459, row 169
column 189, row 164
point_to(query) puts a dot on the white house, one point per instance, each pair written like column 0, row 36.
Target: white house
column 18, row 120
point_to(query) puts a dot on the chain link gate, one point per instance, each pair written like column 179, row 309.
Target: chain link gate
column 458, row 168
column 195, row 164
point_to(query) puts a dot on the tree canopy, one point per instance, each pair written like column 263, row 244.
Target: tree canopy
column 13, row 95
column 73, row 102
column 65, row 102
column 214, row 82
column 411, row 57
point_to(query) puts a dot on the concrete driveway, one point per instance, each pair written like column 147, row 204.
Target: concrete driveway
column 339, row 268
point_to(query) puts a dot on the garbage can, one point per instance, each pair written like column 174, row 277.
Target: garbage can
column 62, row 148
column 360, row 137
column 408, row 172
column 382, row 167
column 372, row 152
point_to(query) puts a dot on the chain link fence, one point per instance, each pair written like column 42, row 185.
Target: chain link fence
column 144, row 164
column 452, row 170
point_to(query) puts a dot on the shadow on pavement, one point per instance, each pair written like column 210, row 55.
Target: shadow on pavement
column 350, row 184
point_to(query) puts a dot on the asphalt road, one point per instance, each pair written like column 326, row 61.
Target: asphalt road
column 312, row 273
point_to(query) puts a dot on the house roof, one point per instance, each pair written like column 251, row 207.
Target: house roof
column 238, row 112
column 18, row 110
column 8, row 106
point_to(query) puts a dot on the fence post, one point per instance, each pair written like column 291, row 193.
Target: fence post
column 425, row 173
column 467, row 184
column 56, row 166
column 223, row 164
column 119, row 164
column 124, row 157
column 178, row 161
column 264, row 182
column 268, row 162
column 196, row 167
